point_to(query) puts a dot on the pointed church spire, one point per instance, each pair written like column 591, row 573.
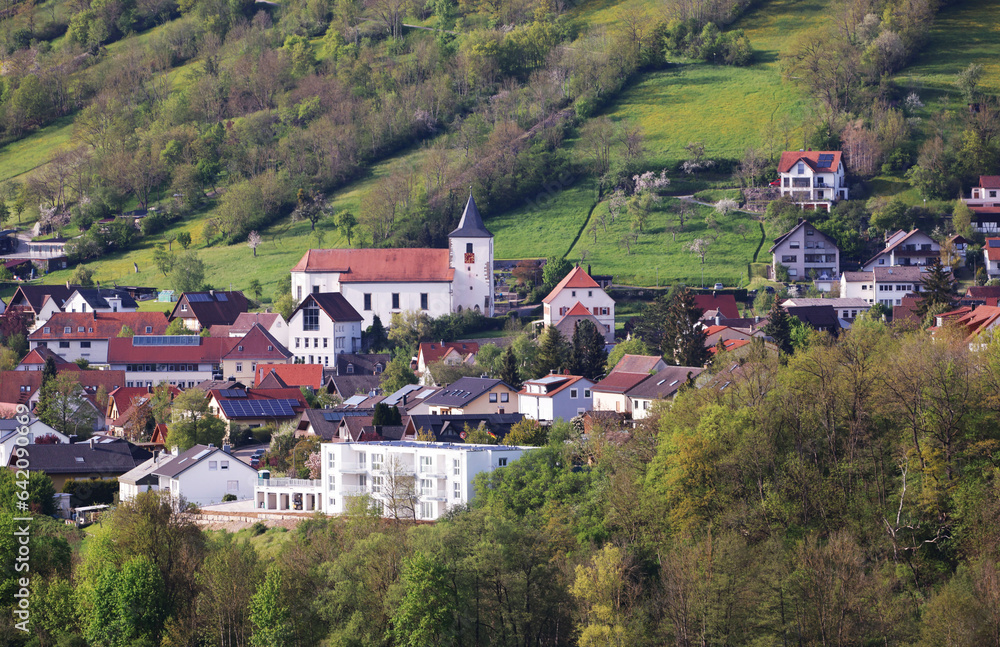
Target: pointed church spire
column 471, row 225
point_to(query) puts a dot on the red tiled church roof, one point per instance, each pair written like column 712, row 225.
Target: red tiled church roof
column 380, row 265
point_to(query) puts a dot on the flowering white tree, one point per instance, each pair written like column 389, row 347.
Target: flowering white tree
column 650, row 181
column 699, row 247
column 725, row 205
column 253, row 240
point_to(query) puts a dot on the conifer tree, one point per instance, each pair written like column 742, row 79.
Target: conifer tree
column 935, row 289
column 508, row 369
column 551, row 352
column 587, row 355
column 683, row 337
column 779, row 328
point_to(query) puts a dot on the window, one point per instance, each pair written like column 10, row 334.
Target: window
column 363, row 481
column 350, row 368
column 298, row 293
column 376, row 484
column 789, row 259
column 426, row 510
column 456, row 466
column 425, row 464
column 149, row 329
column 590, row 293
column 368, row 302
column 67, row 329
column 326, row 340
column 456, row 490
column 232, row 486
column 80, row 329
column 184, row 307
column 493, row 397
column 427, row 487
column 361, row 460
column 395, row 300
column 572, row 293
column 423, row 300
column 793, row 245
column 504, row 397
column 224, row 465
column 468, row 247
column 338, row 343
column 377, row 460
column 586, row 393
column 213, row 466
column 801, row 169
column 270, row 348
column 315, row 289
column 64, row 344
column 793, row 272
column 810, row 232
column 239, row 349
column 331, row 460
column 296, row 342
column 239, row 367
column 502, row 462
column 85, row 344
column 864, row 287
column 310, row 318
column 46, row 330
column 574, row 393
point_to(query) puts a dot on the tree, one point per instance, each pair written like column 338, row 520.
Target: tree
column 699, row 247
column 779, row 328
column 188, row 274
column 346, row 222
column 271, row 618
column 177, row 327
column 587, row 354
column 63, row 406
column 82, row 276
column 164, row 260
column 526, row 433
column 207, row 430
column 375, row 336
column 184, row 239
column 256, row 289
column 400, row 490
column 555, row 269
column 552, row 352
column 129, row 604
column 509, row 369
column 936, row 287
column 285, row 305
column 631, row 346
column 424, row 615
column 398, row 374
column 961, row 219
column 126, row 331
column 968, row 82
column 601, row 587
column 253, row 242
column 683, row 338
column 386, row 415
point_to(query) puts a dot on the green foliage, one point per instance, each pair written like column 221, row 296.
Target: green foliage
column 587, row 354
column 553, row 352
column 386, row 415
column 425, row 613
column 85, row 492
column 527, row 433
column 779, row 328
column 270, row 617
column 82, row 276
column 632, row 346
column 398, row 374
column 188, row 273
column 37, row 486
column 555, row 269
column 187, row 433
column 128, row 604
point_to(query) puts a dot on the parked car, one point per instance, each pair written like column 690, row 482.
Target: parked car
column 255, row 462
column 719, row 286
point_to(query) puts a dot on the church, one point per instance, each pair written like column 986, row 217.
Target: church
column 383, row 281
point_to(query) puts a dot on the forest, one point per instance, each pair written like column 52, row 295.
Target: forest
column 844, row 493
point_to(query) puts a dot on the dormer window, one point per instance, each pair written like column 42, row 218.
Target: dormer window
column 350, row 368
column 149, row 329
column 67, row 329
column 378, row 369
column 270, row 348
column 801, row 168
column 80, row 329
column 46, row 330
column 239, row 348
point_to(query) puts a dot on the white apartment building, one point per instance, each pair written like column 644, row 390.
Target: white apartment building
column 408, row 479
column 322, row 327
column 813, row 179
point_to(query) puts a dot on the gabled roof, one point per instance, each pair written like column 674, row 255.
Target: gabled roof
column 258, row 344
column 665, row 382
column 324, row 422
column 895, row 241
column 985, row 292
column 554, row 383
column 333, row 304
column 975, row 321
column 989, row 181
column 37, row 357
column 637, row 364
column 819, row 317
column 724, row 304
column 837, row 302
column 432, row 351
column 576, row 279
column 123, row 350
column 245, row 321
column 463, row 391
column 898, row 273
column 830, row 160
column 97, row 298
column 11, row 382
column 347, row 385
column 730, row 344
column 471, row 225
column 197, row 454
column 33, row 296
column 411, row 265
column 858, row 277
column 578, row 310
column 992, row 249
column 620, row 382
column 211, row 308
column 907, row 309
column 310, row 375
column 449, row 427
column 99, row 325
column 90, row 458
column 354, row 426
column 362, row 363
column 802, row 223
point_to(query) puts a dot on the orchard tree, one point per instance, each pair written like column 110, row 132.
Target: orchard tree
column 253, row 242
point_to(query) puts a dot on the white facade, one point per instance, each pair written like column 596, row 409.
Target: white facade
column 595, row 300
column 421, row 480
column 549, row 398
column 904, row 249
column 181, row 375
column 617, row 402
column 806, row 252
column 36, row 429
column 324, row 340
column 375, row 298
column 94, row 351
column 76, row 303
column 886, row 286
column 811, row 187
column 472, row 288
column 285, row 494
column 210, row 478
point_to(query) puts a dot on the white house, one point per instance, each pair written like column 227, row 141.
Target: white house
column 905, row 248
column 813, row 179
column 578, row 296
column 100, row 300
column 178, row 360
column 87, row 336
column 408, row 479
column 806, row 252
column 663, row 385
column 884, row 285
column 272, row 322
column 9, row 435
column 287, row 494
column 991, row 255
column 387, row 281
column 845, row 308
column 322, row 327
column 202, row 475
column 554, row 397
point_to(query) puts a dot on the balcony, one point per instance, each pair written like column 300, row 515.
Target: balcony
column 354, row 490
column 353, row 468
column 286, row 482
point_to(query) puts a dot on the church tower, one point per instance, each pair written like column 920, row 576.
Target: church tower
column 471, row 256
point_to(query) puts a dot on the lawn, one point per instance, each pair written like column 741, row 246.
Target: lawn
column 36, row 149
column 543, row 228
column 658, row 259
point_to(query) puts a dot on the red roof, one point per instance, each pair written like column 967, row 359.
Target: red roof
column 578, row 310
column 18, row 386
column 159, row 434
column 38, row 356
column 711, row 330
column 577, row 279
column 637, row 364
column 992, row 253
column 730, row 344
column 989, row 181
column 380, row 265
column 292, row 374
column 725, row 304
column 209, row 350
column 434, row 351
column 791, row 158
column 258, row 344
column 619, row 382
column 974, row 321
column 99, row 325
column 245, row 321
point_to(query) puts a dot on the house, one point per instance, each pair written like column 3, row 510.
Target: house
column 345, row 386
column 991, row 257
column 812, row 179
column 205, row 309
column 716, row 306
column 554, row 397
column 610, row 394
column 387, row 281
column 641, row 364
column 202, row 475
column 663, row 385
column 88, row 335
column 324, row 325
column 729, row 345
column 140, row 478
column 714, row 333
column 452, row 428
column 971, row 321
column 272, row 322
column 324, row 423
column 179, row 360
column 100, row 300
column 21, row 387
column 987, row 193
column 31, row 299
column 37, row 431
column 473, row 395
column 451, row 353
column 988, row 295
column 905, row 249
column 36, row 358
column 845, row 308
column 885, row 285
column 575, row 298
column 958, row 246
column 906, row 311
column 124, row 399
column 362, row 363
column 256, row 347
column 257, row 407
column 407, row 479
column 806, row 253
column 85, row 460
column 285, row 375
column 287, row 494
column 412, row 399
column 817, row 317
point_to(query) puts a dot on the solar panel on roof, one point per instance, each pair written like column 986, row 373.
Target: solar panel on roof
column 233, row 393
column 221, row 297
column 994, row 243
column 166, row 340
column 199, row 298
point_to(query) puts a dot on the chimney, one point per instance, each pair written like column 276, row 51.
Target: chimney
column 404, row 399
column 718, row 320
column 756, row 319
column 589, row 271
column 227, row 448
column 211, row 445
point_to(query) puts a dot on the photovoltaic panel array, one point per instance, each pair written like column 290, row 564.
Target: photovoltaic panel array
column 994, row 243
column 233, row 393
column 281, row 408
column 166, row 340
column 198, row 298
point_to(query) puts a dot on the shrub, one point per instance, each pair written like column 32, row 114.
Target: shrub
column 258, row 529
column 228, row 497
